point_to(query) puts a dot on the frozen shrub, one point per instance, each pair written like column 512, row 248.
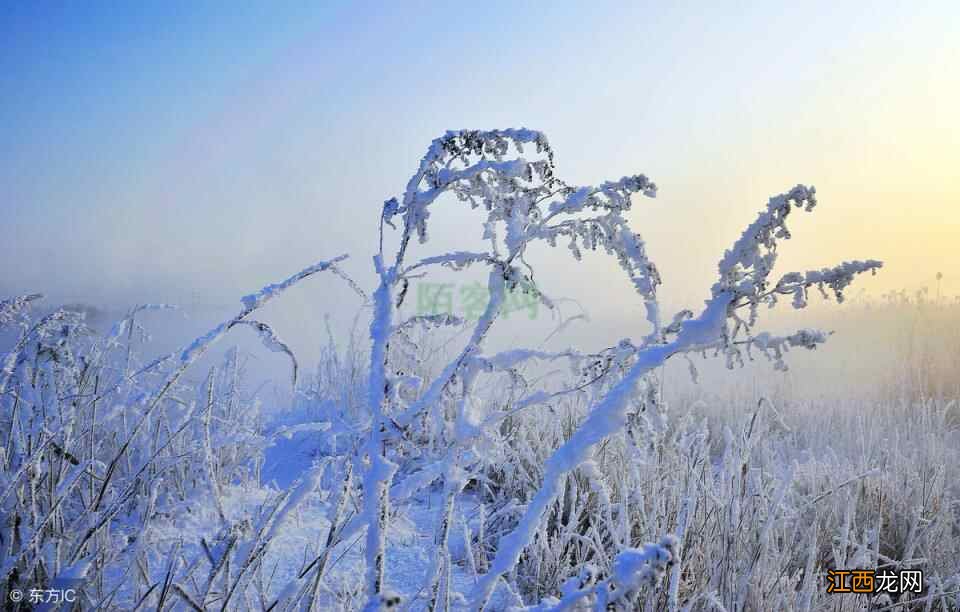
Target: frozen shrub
column 522, row 202
column 540, row 493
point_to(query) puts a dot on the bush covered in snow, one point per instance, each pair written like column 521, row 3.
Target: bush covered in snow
column 458, row 479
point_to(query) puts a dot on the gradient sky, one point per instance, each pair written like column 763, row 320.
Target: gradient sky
column 155, row 152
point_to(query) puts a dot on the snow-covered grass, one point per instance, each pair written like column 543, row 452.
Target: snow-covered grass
column 412, row 468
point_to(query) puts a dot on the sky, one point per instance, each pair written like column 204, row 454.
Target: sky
column 196, row 151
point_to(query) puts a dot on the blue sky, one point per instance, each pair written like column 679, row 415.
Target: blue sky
column 156, row 150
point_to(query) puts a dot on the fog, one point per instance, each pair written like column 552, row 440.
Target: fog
column 160, row 164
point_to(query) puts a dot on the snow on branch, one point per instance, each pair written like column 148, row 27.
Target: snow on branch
column 251, row 303
column 633, row 569
column 743, row 273
column 522, row 201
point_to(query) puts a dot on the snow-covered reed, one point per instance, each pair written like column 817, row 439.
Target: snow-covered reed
column 513, row 489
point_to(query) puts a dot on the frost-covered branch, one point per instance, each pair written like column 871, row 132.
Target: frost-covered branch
column 743, row 273
column 522, row 202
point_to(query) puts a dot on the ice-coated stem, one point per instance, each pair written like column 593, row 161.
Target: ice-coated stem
column 376, row 490
column 606, row 418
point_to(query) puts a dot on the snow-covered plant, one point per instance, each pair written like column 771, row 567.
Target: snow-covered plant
column 632, row 569
column 144, row 486
column 523, row 202
column 98, row 449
